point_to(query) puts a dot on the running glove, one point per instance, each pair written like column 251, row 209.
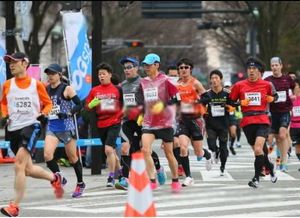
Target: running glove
column 269, row 98
column 95, row 102
column 245, row 102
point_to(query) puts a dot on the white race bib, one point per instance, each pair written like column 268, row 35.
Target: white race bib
column 296, row 111
column 23, row 105
column 151, row 94
column 255, row 98
column 217, row 111
column 107, row 105
column 129, row 99
column 187, row 108
column 281, row 96
column 53, row 113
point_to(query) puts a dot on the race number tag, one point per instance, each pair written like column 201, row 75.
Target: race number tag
column 22, row 105
column 187, row 108
column 296, row 111
column 107, row 104
column 53, row 113
column 151, row 94
column 281, row 96
column 129, row 99
column 217, row 111
column 255, row 98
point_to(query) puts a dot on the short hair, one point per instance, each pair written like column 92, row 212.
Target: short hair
column 216, row 72
column 171, row 67
column 104, row 66
column 185, row 61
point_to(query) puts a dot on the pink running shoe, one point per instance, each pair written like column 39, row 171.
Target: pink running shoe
column 176, row 187
column 153, row 185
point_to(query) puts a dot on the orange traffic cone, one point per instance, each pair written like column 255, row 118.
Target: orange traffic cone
column 140, row 200
column 6, row 159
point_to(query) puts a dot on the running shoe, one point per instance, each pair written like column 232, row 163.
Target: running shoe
column 208, row 164
column 153, row 185
column 222, row 173
column 176, row 187
column 238, row 145
column 273, row 178
column 188, row 181
column 78, row 190
column 11, row 210
column 283, row 168
column 110, row 182
column 122, row 184
column 180, row 170
column 232, row 150
column 58, row 184
column 161, row 176
column 215, row 157
column 254, row 183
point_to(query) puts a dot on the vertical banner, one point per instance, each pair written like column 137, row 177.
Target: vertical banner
column 79, row 54
column 2, row 50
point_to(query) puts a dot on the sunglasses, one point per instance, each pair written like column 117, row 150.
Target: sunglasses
column 128, row 67
column 184, row 67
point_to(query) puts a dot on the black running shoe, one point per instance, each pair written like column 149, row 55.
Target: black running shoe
column 254, row 183
column 232, row 150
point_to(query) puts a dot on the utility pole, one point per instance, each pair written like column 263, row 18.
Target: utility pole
column 10, row 31
column 97, row 152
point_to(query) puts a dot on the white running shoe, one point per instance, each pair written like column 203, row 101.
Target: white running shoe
column 189, row 181
column 208, row 164
column 273, row 178
column 215, row 157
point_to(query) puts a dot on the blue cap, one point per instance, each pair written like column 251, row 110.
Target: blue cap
column 151, row 59
column 129, row 59
column 55, row 68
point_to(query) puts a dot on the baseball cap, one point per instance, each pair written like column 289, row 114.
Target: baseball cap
column 151, row 59
column 276, row 60
column 18, row 56
column 56, row 68
column 129, row 59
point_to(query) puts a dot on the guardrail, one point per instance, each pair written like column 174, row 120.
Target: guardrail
column 79, row 142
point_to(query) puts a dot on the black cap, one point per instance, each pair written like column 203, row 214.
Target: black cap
column 255, row 62
column 18, row 56
column 55, row 68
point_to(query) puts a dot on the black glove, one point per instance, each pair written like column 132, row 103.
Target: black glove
column 4, row 121
column 62, row 116
column 43, row 119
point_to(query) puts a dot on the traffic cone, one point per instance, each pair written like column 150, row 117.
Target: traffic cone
column 6, row 159
column 139, row 199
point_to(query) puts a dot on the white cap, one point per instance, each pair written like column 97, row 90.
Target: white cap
column 227, row 83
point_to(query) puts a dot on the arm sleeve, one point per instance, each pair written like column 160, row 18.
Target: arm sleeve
column 44, row 98
column 78, row 105
column 140, row 96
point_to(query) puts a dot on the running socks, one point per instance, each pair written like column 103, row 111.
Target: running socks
column 53, row 166
column 78, row 171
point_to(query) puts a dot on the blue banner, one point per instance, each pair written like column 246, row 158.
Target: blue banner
column 2, row 64
column 80, row 54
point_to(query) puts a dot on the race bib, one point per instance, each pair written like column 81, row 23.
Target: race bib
column 107, row 105
column 151, row 94
column 217, row 111
column 255, row 98
column 187, row 108
column 281, row 96
column 53, row 113
column 22, row 105
column 296, row 111
column 129, row 99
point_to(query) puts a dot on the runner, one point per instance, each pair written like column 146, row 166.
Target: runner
column 61, row 126
column 191, row 124
column 107, row 100
column 255, row 94
column 217, row 119
column 280, row 109
column 22, row 111
column 158, row 93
